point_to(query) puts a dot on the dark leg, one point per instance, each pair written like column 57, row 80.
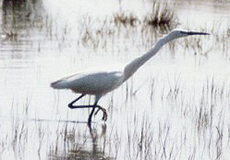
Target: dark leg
column 91, row 114
column 71, row 104
column 99, row 108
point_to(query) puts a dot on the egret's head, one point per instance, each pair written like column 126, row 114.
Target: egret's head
column 177, row 33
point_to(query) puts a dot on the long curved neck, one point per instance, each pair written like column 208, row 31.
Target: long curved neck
column 133, row 66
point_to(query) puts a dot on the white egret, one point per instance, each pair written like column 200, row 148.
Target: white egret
column 101, row 82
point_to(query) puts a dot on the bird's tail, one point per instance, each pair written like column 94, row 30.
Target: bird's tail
column 60, row 84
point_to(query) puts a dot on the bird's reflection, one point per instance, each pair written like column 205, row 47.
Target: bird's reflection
column 97, row 152
column 93, row 148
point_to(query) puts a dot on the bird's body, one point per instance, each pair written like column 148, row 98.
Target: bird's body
column 99, row 83
column 92, row 83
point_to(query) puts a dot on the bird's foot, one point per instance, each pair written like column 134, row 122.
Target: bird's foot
column 104, row 117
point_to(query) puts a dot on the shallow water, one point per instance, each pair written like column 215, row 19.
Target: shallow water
column 175, row 107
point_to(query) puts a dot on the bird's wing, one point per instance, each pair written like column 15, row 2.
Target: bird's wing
column 90, row 83
column 63, row 82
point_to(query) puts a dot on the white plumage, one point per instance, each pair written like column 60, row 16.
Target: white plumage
column 92, row 83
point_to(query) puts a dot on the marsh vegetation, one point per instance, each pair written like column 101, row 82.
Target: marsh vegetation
column 175, row 107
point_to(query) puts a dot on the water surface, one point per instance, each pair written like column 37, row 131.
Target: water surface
column 175, row 107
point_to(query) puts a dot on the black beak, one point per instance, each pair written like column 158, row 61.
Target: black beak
column 196, row 33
